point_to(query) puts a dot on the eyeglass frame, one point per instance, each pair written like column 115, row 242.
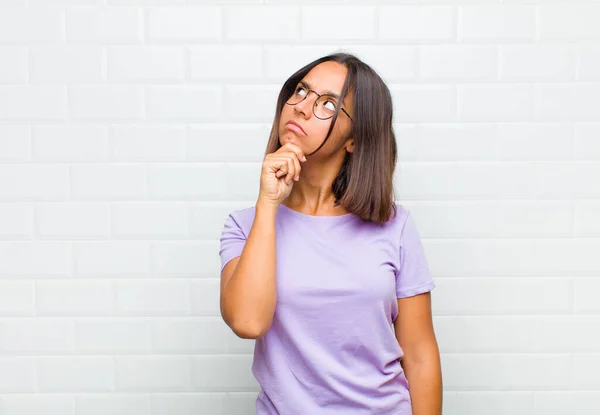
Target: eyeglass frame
column 315, row 104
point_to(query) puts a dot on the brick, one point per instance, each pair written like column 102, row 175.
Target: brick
column 149, row 220
column 205, row 297
column 207, row 219
column 243, row 181
column 488, row 402
column 446, row 142
column 568, row 102
column 153, row 373
column 73, row 298
column 493, row 102
column 103, row 25
column 513, row 257
column 506, row 372
column 233, row 375
column 17, row 375
column 263, row 99
column 29, row 103
column 162, row 297
column 585, row 367
column 458, row 62
column 535, row 141
column 70, row 142
column 587, row 145
column 109, row 182
column 32, row 25
column 216, row 62
column 35, row 259
column 424, row 181
column 281, row 61
column 537, row 63
column 393, row 63
column 565, row 180
column 139, row 64
column 569, row 22
column 106, row 103
column 227, row 142
column 184, row 103
column 587, row 220
column 14, row 65
column 15, row 142
column 114, row 258
column 16, row 298
column 197, row 336
column 113, row 403
column 183, row 24
column 75, row 374
column 68, row 64
column 73, row 220
column 360, row 18
column 499, row 23
column 557, row 402
column 16, row 221
column 503, row 296
column 424, row 103
column 585, row 298
column 588, row 68
column 267, row 23
column 35, row 404
column 184, row 259
column 417, row 23
column 28, row 336
column 145, row 142
column 180, row 181
column 104, row 336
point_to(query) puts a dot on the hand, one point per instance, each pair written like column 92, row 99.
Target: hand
column 279, row 172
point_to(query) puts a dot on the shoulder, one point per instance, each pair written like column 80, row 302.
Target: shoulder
column 242, row 218
column 243, row 213
column 398, row 223
column 399, row 217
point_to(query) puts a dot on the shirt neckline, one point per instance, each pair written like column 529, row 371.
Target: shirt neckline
column 316, row 218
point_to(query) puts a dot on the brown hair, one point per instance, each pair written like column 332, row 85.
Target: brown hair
column 364, row 184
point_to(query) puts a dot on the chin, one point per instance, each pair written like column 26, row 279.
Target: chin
column 287, row 137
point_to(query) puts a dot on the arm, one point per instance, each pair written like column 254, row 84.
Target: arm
column 421, row 362
column 248, row 283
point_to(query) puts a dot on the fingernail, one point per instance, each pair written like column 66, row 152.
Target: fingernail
column 304, row 158
column 297, row 178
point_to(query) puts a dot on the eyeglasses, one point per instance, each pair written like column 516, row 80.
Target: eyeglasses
column 324, row 107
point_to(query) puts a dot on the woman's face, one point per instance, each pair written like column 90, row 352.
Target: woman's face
column 326, row 78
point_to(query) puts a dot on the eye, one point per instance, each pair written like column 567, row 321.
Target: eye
column 330, row 105
column 300, row 90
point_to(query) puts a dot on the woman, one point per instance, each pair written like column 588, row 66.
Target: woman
column 326, row 271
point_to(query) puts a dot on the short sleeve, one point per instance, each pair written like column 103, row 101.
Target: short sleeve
column 413, row 276
column 232, row 241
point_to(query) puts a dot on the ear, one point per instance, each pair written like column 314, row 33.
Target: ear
column 350, row 145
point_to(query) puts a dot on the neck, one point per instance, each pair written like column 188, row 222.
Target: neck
column 312, row 193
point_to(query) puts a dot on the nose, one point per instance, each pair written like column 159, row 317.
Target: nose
column 307, row 101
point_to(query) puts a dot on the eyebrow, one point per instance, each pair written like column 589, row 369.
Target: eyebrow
column 326, row 92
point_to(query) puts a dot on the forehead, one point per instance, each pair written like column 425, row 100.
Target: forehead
column 328, row 77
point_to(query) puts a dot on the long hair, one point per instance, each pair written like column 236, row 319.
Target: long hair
column 364, row 184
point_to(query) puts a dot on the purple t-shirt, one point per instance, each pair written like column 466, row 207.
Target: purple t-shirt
column 332, row 348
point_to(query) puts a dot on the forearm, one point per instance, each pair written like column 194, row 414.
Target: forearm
column 250, row 296
column 425, row 384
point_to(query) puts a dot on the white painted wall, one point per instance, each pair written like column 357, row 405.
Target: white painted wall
column 129, row 129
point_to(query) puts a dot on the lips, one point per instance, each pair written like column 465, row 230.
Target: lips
column 293, row 125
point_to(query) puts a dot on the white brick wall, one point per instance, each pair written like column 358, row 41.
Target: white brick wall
column 130, row 128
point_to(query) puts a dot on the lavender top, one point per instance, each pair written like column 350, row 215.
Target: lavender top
column 332, row 348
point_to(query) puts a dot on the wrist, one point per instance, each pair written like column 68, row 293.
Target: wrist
column 265, row 205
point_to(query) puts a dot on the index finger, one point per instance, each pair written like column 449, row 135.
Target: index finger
column 295, row 149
